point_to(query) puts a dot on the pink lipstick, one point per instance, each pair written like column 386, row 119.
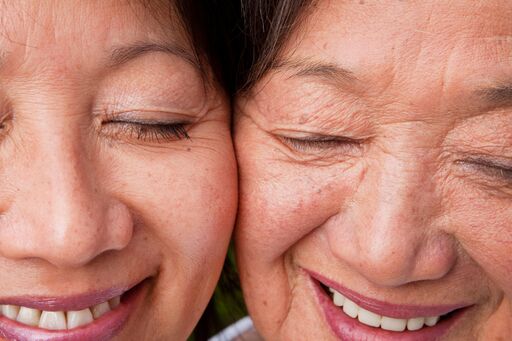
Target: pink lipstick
column 105, row 312
column 356, row 317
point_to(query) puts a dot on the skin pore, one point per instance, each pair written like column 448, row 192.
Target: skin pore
column 116, row 162
column 376, row 156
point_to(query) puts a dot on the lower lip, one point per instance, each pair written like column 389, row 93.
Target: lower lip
column 102, row 329
column 347, row 328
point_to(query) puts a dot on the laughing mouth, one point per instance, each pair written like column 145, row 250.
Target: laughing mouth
column 58, row 320
column 369, row 318
column 383, row 322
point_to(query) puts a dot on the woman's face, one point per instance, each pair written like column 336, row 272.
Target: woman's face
column 117, row 173
column 376, row 160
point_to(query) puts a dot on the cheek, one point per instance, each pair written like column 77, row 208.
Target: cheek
column 185, row 199
column 282, row 202
column 484, row 229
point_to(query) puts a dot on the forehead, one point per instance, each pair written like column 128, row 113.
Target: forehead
column 36, row 28
column 416, row 46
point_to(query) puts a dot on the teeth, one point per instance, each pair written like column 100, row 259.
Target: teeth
column 368, row 318
column 395, row 325
column 58, row 320
column 338, row 299
column 100, row 309
column 415, row 323
column 431, row 321
column 29, row 316
column 10, row 311
column 79, row 318
column 375, row 320
column 350, row 308
column 52, row 320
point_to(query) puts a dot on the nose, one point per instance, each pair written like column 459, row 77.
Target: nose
column 391, row 231
column 60, row 212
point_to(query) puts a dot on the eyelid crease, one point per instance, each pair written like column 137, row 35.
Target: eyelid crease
column 131, row 114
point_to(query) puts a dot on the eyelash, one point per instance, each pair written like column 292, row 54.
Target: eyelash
column 154, row 132
column 321, row 143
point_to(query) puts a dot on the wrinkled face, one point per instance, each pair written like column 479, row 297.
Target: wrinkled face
column 118, row 179
column 376, row 175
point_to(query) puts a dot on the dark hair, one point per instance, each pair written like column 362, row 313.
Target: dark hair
column 213, row 26
column 266, row 25
column 211, row 29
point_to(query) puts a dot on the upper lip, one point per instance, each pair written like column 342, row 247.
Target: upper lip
column 66, row 303
column 388, row 309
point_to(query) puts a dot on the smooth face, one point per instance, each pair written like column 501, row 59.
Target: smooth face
column 117, row 171
column 376, row 160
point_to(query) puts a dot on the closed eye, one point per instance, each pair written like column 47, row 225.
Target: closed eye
column 147, row 131
column 493, row 169
column 322, row 143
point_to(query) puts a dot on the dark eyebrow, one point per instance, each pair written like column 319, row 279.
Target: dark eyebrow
column 328, row 72
column 123, row 54
column 497, row 96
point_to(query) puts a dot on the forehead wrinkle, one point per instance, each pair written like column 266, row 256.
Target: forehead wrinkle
column 46, row 24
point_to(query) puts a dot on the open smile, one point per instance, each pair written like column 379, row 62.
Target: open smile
column 352, row 316
column 92, row 316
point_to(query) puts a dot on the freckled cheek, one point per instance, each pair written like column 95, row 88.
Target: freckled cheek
column 188, row 202
column 280, row 204
column 205, row 209
column 484, row 229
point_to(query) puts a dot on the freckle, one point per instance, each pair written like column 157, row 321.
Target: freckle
column 361, row 2
column 319, row 191
column 188, row 149
column 265, row 303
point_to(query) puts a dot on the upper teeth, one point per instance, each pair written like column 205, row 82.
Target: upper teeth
column 58, row 320
column 375, row 320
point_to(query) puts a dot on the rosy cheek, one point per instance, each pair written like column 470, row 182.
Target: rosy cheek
column 483, row 227
column 287, row 203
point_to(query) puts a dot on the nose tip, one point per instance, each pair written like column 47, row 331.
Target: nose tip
column 71, row 239
column 391, row 233
column 80, row 237
column 392, row 261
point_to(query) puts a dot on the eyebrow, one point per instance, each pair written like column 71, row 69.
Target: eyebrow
column 326, row 72
column 123, row 54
